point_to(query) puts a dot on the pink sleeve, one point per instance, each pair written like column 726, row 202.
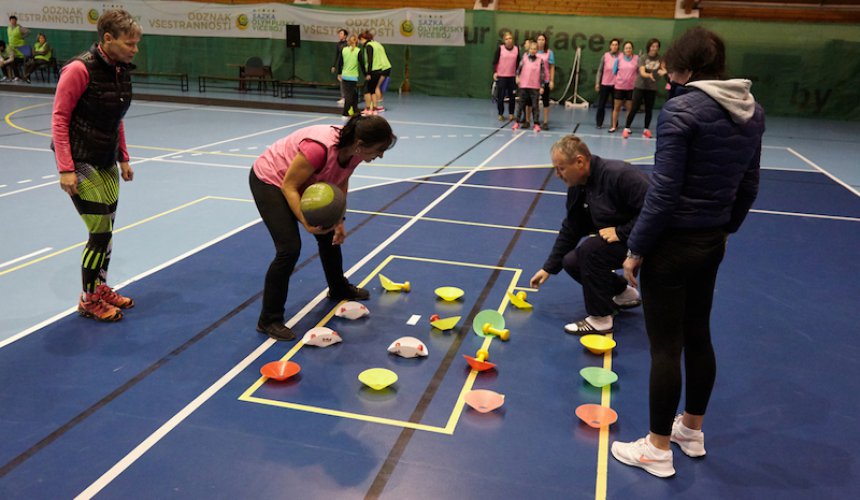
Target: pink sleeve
column 73, row 82
column 123, row 150
column 314, row 152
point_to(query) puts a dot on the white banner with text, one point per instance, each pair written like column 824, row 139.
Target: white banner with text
column 395, row 26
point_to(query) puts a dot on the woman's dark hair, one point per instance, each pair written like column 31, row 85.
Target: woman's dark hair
column 367, row 35
column 698, row 50
column 652, row 42
column 367, row 129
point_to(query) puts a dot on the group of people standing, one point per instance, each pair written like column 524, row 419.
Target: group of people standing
column 673, row 227
column 524, row 78
column 628, row 80
column 17, row 59
column 356, row 57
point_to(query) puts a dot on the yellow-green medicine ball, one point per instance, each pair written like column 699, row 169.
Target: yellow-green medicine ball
column 323, row 204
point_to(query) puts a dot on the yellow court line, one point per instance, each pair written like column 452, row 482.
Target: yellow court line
column 346, row 414
column 451, row 425
column 9, row 115
column 603, row 440
column 452, row 221
column 9, row 122
column 78, row 245
column 649, row 157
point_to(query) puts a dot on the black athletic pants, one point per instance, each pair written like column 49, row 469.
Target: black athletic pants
column 604, row 96
column 592, row 264
column 505, row 87
column 284, row 228
column 678, row 280
column 640, row 95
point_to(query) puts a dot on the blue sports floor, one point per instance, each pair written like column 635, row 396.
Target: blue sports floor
column 169, row 402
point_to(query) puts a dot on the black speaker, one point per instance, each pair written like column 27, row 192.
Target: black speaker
column 294, row 35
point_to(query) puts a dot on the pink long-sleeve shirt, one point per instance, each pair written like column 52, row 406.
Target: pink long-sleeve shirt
column 74, row 80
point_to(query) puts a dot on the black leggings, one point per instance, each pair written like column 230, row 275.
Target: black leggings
column 640, row 95
column 678, row 280
column 604, row 96
column 284, row 228
column 505, row 87
column 350, row 97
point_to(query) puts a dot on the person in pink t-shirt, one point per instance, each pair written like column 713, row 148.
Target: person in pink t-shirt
column 505, row 62
column 530, row 77
column 319, row 153
column 605, row 79
column 626, row 69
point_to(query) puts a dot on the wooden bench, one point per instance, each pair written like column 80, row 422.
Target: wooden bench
column 288, row 86
column 203, row 80
column 153, row 79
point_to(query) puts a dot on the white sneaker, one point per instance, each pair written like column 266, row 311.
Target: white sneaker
column 341, row 101
column 692, row 442
column 644, row 455
column 628, row 299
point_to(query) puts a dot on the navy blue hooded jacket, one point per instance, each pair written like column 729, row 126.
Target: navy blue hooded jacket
column 706, row 166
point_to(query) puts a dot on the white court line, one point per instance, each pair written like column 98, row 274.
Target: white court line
column 26, row 148
column 477, row 186
column 140, row 276
column 171, row 424
column 24, row 257
column 200, row 163
column 825, row 172
column 809, row 216
column 37, row 186
column 162, row 157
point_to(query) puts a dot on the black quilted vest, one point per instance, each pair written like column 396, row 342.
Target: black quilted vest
column 94, row 127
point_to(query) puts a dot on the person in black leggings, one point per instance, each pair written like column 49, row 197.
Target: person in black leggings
column 318, row 153
column 651, row 72
column 603, row 82
column 705, row 179
column 505, row 62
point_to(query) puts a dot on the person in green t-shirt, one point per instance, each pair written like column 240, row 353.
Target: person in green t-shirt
column 16, row 34
column 42, row 54
column 349, row 64
column 377, row 69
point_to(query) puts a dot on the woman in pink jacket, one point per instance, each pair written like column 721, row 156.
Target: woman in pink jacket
column 626, row 69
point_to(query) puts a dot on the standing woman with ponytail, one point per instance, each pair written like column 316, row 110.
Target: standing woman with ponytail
column 319, row 153
column 604, row 82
